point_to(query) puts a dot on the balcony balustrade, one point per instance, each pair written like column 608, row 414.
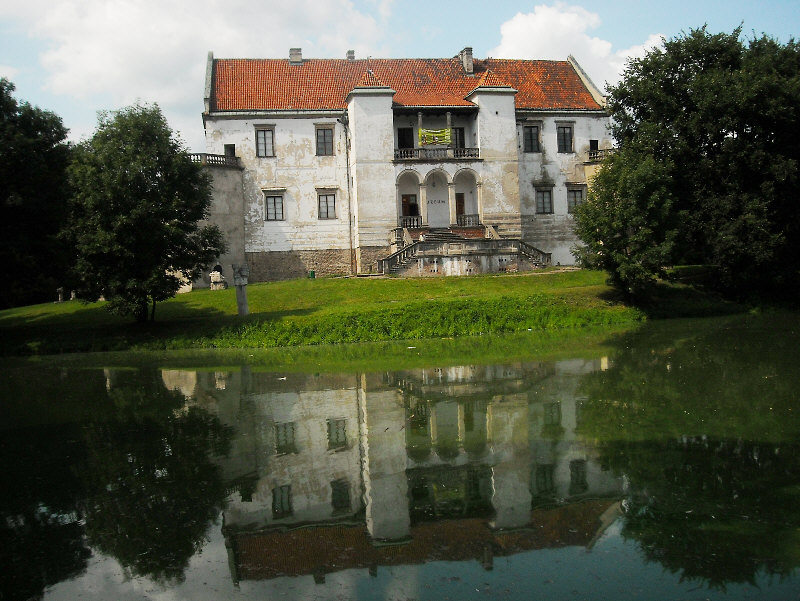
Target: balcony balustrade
column 436, row 154
column 468, row 220
column 595, row 156
column 410, row 221
column 219, row 160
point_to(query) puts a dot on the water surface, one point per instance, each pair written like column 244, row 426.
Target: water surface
column 668, row 467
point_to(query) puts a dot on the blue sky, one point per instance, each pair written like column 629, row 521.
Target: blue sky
column 78, row 57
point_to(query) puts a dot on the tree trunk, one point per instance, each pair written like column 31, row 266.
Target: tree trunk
column 153, row 311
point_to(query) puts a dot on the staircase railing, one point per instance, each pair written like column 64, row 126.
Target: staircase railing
column 398, row 258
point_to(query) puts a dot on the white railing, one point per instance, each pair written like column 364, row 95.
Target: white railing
column 435, row 154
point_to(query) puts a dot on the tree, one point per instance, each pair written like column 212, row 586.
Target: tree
column 627, row 223
column 135, row 212
column 33, row 162
column 719, row 117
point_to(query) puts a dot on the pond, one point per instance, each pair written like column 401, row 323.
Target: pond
column 666, row 466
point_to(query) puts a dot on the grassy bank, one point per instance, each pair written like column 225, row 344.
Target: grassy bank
column 307, row 312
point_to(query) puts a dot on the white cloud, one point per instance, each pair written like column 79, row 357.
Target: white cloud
column 8, row 72
column 558, row 30
column 123, row 51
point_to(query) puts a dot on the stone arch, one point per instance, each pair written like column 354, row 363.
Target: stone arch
column 409, row 199
column 467, row 198
column 437, row 196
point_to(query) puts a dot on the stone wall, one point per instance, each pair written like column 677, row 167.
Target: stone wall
column 284, row 265
column 369, row 255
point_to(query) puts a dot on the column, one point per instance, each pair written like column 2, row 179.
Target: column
column 423, row 204
column 451, row 202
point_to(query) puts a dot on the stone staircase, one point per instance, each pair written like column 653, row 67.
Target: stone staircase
column 441, row 235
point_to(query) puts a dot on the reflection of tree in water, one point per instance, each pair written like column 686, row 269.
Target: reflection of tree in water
column 41, row 538
column 153, row 490
column 705, row 435
column 711, row 510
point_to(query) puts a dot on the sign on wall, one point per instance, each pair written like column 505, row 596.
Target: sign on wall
column 434, row 136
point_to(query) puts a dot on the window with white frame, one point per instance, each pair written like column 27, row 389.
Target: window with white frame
column 273, row 207
column 324, row 141
column 265, row 142
column 564, row 136
column 575, row 196
column 544, row 200
column 327, row 206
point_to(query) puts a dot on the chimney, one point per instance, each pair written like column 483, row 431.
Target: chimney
column 351, row 55
column 295, row 56
column 466, row 60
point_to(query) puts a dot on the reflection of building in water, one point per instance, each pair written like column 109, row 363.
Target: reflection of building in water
column 404, row 454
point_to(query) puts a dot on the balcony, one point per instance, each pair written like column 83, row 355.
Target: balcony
column 217, row 160
column 468, row 220
column 436, row 154
column 595, row 156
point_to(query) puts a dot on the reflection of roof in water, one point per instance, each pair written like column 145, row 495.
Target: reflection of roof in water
column 324, row 549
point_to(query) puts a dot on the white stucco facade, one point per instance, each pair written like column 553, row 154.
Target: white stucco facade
column 334, row 202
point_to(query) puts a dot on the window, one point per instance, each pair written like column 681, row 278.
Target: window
column 327, row 206
column 577, row 477
column 574, row 198
column 337, row 434
column 530, row 138
column 230, row 150
column 284, row 438
column 340, row 495
column 265, row 146
column 405, row 137
column 545, row 480
column 273, row 207
column 564, row 133
column 544, row 201
column 282, row 501
column 458, row 140
column 324, row 141
column 552, row 414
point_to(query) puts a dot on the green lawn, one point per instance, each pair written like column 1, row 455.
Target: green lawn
column 328, row 310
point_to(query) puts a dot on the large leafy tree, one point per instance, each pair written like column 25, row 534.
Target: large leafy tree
column 628, row 222
column 720, row 118
column 33, row 162
column 135, row 211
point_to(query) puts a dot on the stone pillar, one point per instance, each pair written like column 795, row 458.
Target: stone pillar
column 451, row 202
column 240, row 275
column 479, row 188
column 423, row 204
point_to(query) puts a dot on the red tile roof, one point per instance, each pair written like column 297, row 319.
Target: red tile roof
column 274, row 84
column 332, row 548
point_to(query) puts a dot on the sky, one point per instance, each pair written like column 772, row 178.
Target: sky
column 79, row 57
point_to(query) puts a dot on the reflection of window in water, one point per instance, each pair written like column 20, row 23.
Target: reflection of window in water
column 284, row 438
column 552, row 414
column 337, row 435
column 545, row 482
column 579, row 412
column 577, row 477
column 340, row 495
column 418, row 420
column 282, row 501
column 469, row 416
